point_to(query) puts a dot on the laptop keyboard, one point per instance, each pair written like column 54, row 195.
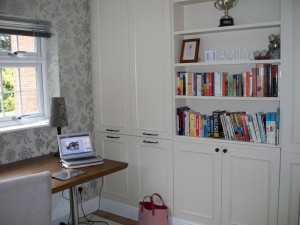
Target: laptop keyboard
column 84, row 160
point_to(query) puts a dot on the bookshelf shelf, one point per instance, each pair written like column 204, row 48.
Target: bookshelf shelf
column 224, row 141
column 226, row 98
column 253, row 26
column 236, row 62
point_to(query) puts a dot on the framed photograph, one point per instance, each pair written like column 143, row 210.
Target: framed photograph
column 190, row 50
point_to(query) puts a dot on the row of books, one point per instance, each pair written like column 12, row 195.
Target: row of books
column 261, row 81
column 257, row 127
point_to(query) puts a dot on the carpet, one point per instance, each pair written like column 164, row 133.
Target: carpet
column 97, row 218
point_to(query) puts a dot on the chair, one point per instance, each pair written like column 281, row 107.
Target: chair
column 26, row 200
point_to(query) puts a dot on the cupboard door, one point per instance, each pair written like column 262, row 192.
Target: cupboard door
column 197, row 182
column 250, row 185
column 153, row 168
column 150, row 67
column 289, row 196
column 111, row 66
column 117, row 186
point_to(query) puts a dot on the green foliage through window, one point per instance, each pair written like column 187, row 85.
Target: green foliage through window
column 8, row 85
column 5, row 41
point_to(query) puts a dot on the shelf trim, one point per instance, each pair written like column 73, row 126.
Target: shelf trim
column 231, row 62
column 222, row 140
column 189, row 2
column 251, row 26
column 228, row 98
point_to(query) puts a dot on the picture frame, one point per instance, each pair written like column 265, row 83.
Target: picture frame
column 190, row 50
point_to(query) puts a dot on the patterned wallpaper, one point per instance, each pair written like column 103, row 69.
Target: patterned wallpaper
column 69, row 53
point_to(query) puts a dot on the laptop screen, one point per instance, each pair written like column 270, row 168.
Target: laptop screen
column 75, row 145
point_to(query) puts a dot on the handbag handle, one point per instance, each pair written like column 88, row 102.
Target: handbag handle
column 158, row 195
column 151, row 201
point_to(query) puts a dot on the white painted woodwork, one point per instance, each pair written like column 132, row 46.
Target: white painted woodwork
column 233, row 188
column 250, row 185
column 290, row 48
column 111, row 82
column 150, row 67
column 117, row 186
column 153, row 163
column 197, row 182
column 296, row 77
column 289, row 196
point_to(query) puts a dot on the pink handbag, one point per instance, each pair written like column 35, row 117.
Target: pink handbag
column 151, row 213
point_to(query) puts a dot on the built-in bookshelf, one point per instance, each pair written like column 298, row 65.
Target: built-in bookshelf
column 200, row 19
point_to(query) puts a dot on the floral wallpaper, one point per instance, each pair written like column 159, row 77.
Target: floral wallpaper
column 69, row 54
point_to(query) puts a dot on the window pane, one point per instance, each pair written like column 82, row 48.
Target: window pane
column 5, row 41
column 17, row 43
column 29, row 102
column 10, row 108
column 10, row 79
column 28, row 79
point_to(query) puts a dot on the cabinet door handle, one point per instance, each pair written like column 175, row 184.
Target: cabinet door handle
column 217, row 149
column 113, row 137
column 112, row 130
column 150, row 142
column 150, row 134
column 225, row 150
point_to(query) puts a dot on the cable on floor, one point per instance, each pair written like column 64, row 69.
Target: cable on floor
column 89, row 220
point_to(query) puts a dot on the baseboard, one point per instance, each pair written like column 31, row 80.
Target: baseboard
column 61, row 210
column 120, row 209
column 132, row 212
column 177, row 221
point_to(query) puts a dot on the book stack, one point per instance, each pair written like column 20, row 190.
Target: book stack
column 257, row 127
column 261, row 81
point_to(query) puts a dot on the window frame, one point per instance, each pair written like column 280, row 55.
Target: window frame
column 31, row 59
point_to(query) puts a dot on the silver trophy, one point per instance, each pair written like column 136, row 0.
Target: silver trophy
column 226, row 20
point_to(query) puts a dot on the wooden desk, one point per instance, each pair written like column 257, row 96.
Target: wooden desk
column 51, row 163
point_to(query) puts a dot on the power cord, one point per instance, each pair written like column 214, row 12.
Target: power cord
column 88, row 221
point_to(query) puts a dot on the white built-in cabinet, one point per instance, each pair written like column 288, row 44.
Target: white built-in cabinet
column 289, row 194
column 153, row 161
column 225, row 184
column 111, row 80
column 289, row 198
column 136, row 46
column 132, row 78
column 132, row 95
column 118, row 186
column 150, row 68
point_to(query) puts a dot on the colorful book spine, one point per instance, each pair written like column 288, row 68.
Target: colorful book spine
column 250, row 127
column 217, row 125
column 178, row 83
column 269, row 81
column 244, row 126
column 224, row 84
column 197, row 124
column 246, row 84
column 262, row 73
column 254, row 82
column 275, row 80
column 192, row 124
column 189, row 82
column 256, row 128
column 223, row 122
column 260, row 126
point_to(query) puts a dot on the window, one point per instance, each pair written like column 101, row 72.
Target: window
column 23, row 91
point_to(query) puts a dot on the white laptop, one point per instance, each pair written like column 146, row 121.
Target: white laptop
column 76, row 150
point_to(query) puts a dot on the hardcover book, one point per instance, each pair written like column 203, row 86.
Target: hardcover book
column 262, row 72
column 217, row 125
column 254, row 82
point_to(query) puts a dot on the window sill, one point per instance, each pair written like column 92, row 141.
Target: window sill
column 42, row 123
